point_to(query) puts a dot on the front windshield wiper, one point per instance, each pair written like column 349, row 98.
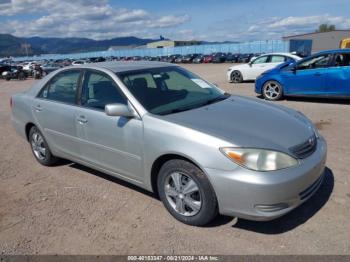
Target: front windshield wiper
column 177, row 110
column 208, row 102
column 217, row 99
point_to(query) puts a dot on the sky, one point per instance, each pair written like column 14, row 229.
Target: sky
column 206, row 20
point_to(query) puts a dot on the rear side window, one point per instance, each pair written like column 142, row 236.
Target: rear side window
column 277, row 59
column 342, row 59
column 62, row 87
column 99, row 90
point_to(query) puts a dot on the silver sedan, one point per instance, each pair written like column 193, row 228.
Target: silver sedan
column 165, row 129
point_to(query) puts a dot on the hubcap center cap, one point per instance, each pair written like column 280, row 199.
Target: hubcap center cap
column 181, row 196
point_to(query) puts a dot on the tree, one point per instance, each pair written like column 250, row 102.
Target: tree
column 325, row 28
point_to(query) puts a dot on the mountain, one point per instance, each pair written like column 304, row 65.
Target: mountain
column 18, row 46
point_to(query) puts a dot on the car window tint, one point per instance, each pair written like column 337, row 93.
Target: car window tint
column 315, row 62
column 62, row 87
column 261, row 60
column 289, row 59
column 177, row 81
column 342, row 60
column 149, row 81
column 175, row 88
column 277, row 59
column 99, row 90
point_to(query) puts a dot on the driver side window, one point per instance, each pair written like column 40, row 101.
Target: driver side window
column 315, row 62
column 260, row 60
column 99, row 90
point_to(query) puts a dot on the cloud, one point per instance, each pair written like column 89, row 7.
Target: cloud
column 83, row 18
column 310, row 21
column 276, row 27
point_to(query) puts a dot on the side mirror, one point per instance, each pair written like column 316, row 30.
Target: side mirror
column 250, row 63
column 294, row 69
column 119, row 110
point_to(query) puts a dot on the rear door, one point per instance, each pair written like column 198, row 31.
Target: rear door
column 110, row 142
column 338, row 78
column 309, row 78
column 54, row 110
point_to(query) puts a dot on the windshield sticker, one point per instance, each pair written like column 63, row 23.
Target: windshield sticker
column 201, row 83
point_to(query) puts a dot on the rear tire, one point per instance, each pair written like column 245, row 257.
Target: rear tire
column 236, row 77
column 272, row 90
column 21, row 76
column 40, row 148
column 187, row 193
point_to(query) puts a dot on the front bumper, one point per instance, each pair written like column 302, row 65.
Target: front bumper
column 259, row 81
column 268, row 195
column 228, row 76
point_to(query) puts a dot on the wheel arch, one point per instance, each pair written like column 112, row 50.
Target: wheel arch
column 28, row 126
column 161, row 160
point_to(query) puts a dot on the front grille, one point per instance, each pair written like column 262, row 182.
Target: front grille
column 306, row 148
column 311, row 189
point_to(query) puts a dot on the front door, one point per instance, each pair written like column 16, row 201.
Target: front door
column 309, row 76
column 338, row 80
column 257, row 67
column 109, row 142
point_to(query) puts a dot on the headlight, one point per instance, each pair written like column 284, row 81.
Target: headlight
column 317, row 135
column 230, row 69
column 259, row 159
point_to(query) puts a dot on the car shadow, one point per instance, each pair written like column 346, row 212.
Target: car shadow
column 281, row 225
column 63, row 162
column 296, row 217
column 323, row 100
column 319, row 100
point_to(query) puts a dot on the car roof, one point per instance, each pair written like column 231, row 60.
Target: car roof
column 281, row 53
column 335, row 51
column 123, row 66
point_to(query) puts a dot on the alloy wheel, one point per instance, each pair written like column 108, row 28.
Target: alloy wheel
column 272, row 90
column 236, row 77
column 38, row 146
column 183, row 194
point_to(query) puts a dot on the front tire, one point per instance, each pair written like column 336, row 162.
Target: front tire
column 40, row 148
column 187, row 193
column 272, row 90
column 236, row 77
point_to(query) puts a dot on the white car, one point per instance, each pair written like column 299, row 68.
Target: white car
column 257, row 66
column 27, row 66
column 78, row 62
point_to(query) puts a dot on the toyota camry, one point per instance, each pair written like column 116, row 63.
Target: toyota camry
column 167, row 130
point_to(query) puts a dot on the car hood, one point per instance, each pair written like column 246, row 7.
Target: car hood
column 240, row 67
column 248, row 122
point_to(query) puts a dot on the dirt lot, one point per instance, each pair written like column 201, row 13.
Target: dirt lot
column 70, row 209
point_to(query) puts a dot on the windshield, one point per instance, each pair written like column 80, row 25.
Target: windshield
column 169, row 90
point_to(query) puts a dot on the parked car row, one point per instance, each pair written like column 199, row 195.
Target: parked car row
column 44, row 67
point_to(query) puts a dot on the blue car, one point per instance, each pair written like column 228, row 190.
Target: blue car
column 325, row 74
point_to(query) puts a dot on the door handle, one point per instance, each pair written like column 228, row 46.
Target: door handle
column 82, row 119
column 38, row 108
column 317, row 74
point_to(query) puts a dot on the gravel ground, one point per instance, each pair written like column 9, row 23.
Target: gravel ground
column 70, row 209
